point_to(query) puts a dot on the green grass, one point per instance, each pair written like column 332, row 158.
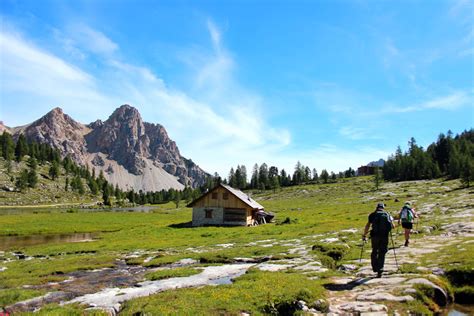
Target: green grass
column 312, row 210
column 46, row 192
column 171, row 273
column 254, row 293
column 10, row 296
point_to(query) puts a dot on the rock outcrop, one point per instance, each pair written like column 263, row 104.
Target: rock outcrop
column 130, row 152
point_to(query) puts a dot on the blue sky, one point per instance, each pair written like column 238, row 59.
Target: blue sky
column 333, row 84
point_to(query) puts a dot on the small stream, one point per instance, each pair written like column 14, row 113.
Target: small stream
column 108, row 288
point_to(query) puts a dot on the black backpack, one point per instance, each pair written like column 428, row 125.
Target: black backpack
column 382, row 224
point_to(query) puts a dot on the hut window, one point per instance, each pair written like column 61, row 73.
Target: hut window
column 214, row 195
column 225, row 196
column 208, row 213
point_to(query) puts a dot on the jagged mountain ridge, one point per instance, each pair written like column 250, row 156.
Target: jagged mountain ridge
column 131, row 153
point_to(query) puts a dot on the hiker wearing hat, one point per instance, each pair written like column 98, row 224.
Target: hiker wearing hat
column 382, row 224
column 406, row 217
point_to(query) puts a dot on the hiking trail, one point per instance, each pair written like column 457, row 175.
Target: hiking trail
column 360, row 292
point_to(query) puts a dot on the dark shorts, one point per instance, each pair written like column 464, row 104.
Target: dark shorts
column 407, row 225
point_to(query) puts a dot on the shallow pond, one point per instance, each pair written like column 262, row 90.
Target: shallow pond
column 42, row 210
column 459, row 310
column 12, row 242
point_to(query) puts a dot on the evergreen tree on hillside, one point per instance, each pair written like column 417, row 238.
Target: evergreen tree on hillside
column 324, row 176
column 232, row 178
column 93, row 186
column 378, row 176
column 32, row 178
column 298, row 174
column 284, row 182
column 315, row 175
column 255, row 176
column 106, row 194
column 54, row 170
column 21, row 148
column 241, row 177
column 21, row 182
column 8, row 146
column 263, row 177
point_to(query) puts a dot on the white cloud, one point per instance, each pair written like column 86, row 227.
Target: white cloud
column 215, row 35
column 449, row 102
column 92, row 40
column 33, row 75
column 229, row 118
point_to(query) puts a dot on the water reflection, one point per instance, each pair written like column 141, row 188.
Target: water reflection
column 10, row 242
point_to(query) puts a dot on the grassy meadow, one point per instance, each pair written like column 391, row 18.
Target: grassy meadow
column 304, row 215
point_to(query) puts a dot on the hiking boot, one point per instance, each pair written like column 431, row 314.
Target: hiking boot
column 379, row 274
column 406, row 243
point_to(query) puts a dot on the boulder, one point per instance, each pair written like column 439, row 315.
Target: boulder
column 440, row 295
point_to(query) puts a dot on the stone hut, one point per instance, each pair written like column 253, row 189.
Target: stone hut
column 224, row 205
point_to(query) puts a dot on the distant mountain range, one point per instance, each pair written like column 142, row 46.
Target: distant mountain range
column 378, row 163
column 132, row 153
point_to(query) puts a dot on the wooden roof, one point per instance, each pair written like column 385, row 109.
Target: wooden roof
column 237, row 193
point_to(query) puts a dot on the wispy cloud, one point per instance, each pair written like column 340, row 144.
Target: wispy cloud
column 92, row 40
column 235, row 125
column 358, row 133
column 449, row 102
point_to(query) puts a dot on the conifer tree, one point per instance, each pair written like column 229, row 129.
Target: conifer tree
column 255, row 176
column 21, row 182
column 32, row 178
column 21, row 148
column 324, row 176
column 8, row 146
column 54, row 170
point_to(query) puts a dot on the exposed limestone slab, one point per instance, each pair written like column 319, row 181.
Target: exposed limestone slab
column 441, row 297
column 383, row 296
column 312, row 266
column 273, row 267
column 386, row 281
column 330, row 240
column 351, row 230
column 112, row 298
column 359, row 307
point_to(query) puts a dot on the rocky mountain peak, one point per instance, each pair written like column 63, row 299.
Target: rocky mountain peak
column 58, row 130
column 126, row 112
column 3, row 127
column 124, row 146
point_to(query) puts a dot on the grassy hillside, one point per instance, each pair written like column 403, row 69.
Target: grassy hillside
column 329, row 215
column 46, row 192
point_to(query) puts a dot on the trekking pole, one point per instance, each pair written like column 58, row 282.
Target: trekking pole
column 361, row 251
column 394, row 253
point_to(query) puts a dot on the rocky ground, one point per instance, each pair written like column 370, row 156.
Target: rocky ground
column 357, row 292
column 446, row 229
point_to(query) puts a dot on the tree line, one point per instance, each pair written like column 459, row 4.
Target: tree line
column 450, row 157
column 79, row 179
column 271, row 178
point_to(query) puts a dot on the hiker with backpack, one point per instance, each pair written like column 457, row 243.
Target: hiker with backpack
column 406, row 217
column 382, row 224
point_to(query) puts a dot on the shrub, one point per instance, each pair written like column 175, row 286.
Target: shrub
column 461, row 276
column 334, row 251
column 464, row 295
